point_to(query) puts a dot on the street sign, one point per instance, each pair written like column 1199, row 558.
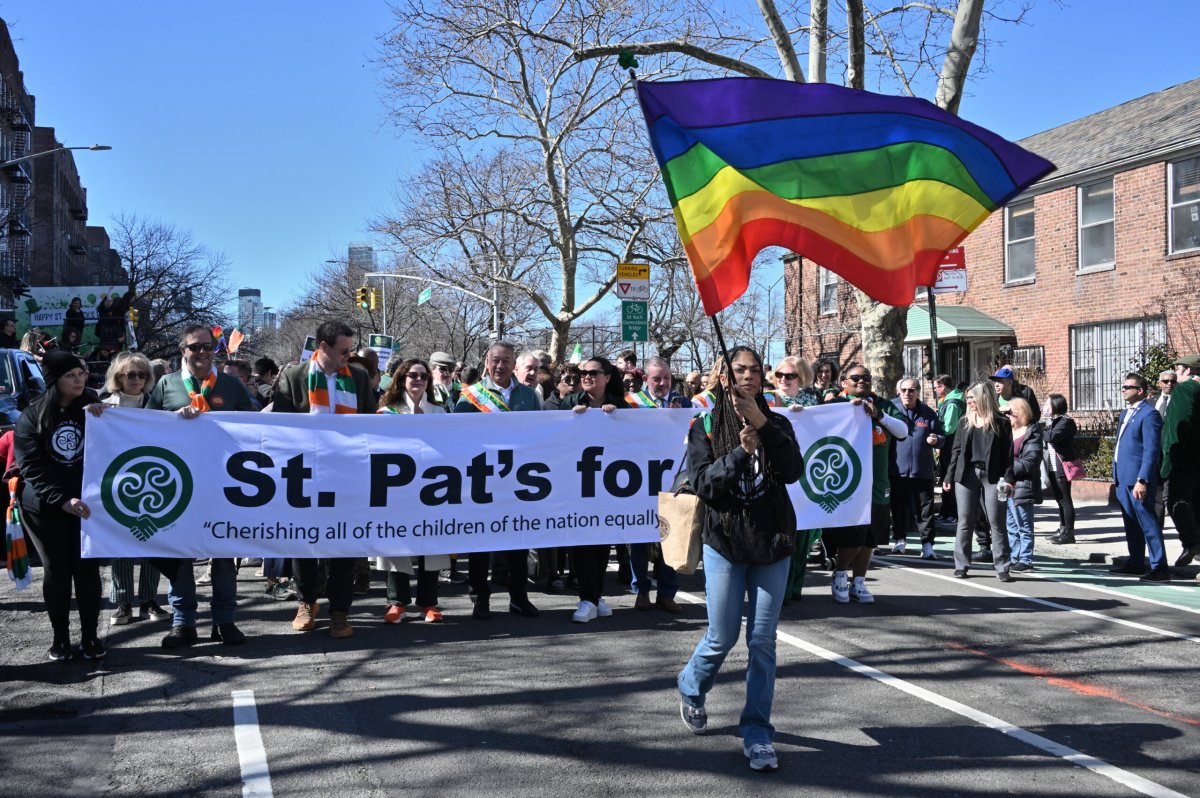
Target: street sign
column 635, row 321
column 633, row 282
column 425, row 296
column 952, row 273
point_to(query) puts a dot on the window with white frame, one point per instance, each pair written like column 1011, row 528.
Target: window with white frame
column 827, row 291
column 1103, row 353
column 1018, row 242
column 1184, row 180
column 914, row 361
column 1096, row 226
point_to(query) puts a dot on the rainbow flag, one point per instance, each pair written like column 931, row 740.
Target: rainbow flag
column 874, row 188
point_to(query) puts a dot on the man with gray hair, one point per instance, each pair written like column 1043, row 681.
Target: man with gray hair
column 911, row 469
column 500, row 392
column 528, row 364
column 442, row 364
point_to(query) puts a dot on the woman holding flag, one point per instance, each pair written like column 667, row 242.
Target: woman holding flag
column 740, row 458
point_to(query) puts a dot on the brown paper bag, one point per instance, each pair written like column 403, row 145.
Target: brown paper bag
column 680, row 524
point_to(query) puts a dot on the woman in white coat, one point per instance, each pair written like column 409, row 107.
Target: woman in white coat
column 411, row 392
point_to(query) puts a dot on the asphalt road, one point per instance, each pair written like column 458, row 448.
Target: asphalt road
column 1067, row 683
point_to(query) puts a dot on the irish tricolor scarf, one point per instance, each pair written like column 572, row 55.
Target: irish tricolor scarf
column 640, row 399
column 15, row 550
column 874, row 188
column 345, row 397
column 484, row 399
column 198, row 391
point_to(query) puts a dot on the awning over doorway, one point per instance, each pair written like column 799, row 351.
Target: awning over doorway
column 954, row 323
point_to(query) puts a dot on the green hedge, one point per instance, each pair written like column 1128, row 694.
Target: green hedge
column 1096, row 452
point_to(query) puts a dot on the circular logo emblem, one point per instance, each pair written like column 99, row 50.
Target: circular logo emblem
column 832, row 472
column 664, row 529
column 146, row 489
column 66, row 441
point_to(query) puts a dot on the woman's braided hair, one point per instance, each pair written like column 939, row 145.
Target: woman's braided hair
column 726, row 436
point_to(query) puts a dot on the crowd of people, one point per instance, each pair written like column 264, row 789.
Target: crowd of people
column 986, row 444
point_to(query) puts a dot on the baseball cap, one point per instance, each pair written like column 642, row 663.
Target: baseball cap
column 1002, row 373
column 1191, row 361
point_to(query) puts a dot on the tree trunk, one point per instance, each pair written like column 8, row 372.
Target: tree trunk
column 783, row 41
column 963, row 40
column 818, row 39
column 884, row 329
column 856, row 44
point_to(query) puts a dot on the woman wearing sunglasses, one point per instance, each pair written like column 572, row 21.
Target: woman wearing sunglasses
column 411, row 392
column 568, row 383
column 601, row 387
column 128, row 384
column 793, row 385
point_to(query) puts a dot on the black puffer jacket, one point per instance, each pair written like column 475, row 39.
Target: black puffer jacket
column 1027, row 468
column 716, row 482
column 1061, row 435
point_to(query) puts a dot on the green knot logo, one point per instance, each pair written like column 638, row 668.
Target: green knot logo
column 832, row 472
column 146, row 489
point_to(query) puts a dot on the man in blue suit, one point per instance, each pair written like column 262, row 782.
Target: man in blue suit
column 1136, row 462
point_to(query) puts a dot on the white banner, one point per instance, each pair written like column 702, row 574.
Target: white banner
column 290, row 485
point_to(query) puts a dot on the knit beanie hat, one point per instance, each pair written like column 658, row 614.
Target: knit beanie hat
column 56, row 363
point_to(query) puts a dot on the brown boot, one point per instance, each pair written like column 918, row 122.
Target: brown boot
column 642, row 602
column 306, row 617
column 339, row 624
column 668, row 605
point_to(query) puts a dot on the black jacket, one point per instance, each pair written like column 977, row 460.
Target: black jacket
column 1027, row 467
column 1061, row 435
column 999, row 455
column 1025, row 392
column 715, row 482
column 51, row 463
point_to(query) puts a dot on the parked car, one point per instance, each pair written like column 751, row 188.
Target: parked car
column 21, row 382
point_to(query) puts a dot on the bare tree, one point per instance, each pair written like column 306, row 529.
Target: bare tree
column 174, row 280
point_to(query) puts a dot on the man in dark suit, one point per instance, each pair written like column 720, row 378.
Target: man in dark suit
column 328, row 383
column 1136, row 477
column 1181, row 456
column 499, row 392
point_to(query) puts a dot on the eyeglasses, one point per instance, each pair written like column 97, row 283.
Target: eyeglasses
column 856, row 378
column 1131, row 387
column 593, row 373
column 787, row 375
column 570, row 380
column 441, row 368
column 194, row 348
column 1168, row 382
column 136, row 375
column 417, row 376
column 908, row 390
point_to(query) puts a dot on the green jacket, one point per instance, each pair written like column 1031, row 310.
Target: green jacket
column 171, row 394
column 950, row 410
column 1181, row 431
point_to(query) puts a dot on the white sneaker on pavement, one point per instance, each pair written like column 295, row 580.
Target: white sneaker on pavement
column 927, row 552
column 762, row 756
column 898, row 547
column 841, row 587
column 858, row 591
column 603, row 610
column 585, row 613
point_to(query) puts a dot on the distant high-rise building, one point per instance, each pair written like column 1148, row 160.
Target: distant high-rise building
column 250, row 310
column 270, row 321
column 361, row 257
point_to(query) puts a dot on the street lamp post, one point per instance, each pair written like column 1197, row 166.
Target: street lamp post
column 770, row 309
column 494, row 301
column 31, row 156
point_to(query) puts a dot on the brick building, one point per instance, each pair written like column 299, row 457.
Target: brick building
column 16, row 124
column 1074, row 279
column 60, row 215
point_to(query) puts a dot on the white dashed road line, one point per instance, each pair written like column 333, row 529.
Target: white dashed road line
column 256, row 780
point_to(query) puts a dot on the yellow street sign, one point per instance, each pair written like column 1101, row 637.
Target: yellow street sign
column 633, row 271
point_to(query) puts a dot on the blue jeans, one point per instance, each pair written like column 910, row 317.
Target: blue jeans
column 639, row 561
column 726, row 585
column 1020, row 532
column 182, row 594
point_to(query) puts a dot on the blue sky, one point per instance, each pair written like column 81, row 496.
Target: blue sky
column 258, row 125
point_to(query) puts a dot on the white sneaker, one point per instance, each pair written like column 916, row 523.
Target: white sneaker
column 858, row 591
column 603, row 610
column 585, row 613
column 927, row 552
column 898, row 547
column 841, row 587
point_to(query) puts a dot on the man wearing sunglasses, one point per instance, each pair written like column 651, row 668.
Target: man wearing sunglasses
column 1136, row 462
column 199, row 388
column 328, row 383
column 499, row 392
column 444, row 383
column 912, row 469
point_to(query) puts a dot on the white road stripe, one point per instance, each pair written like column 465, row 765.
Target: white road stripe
column 976, row 584
column 256, row 780
column 1124, row 777
column 1049, row 577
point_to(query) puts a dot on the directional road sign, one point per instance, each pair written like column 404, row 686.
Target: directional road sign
column 425, row 296
column 633, row 282
column 635, row 321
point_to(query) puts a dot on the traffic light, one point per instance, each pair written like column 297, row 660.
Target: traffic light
column 374, row 299
column 361, row 298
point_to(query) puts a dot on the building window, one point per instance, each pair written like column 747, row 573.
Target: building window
column 827, row 291
column 914, row 361
column 1103, row 353
column 1096, row 227
column 1184, row 181
column 1018, row 239
column 1031, row 358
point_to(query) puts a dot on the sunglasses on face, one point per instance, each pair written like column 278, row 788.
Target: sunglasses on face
column 1168, row 382
column 908, row 390
column 787, row 375
column 857, row 378
column 417, row 376
column 194, row 348
column 593, row 373
column 136, row 375
column 1131, row 387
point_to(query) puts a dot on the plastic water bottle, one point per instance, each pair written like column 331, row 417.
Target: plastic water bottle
column 1002, row 491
